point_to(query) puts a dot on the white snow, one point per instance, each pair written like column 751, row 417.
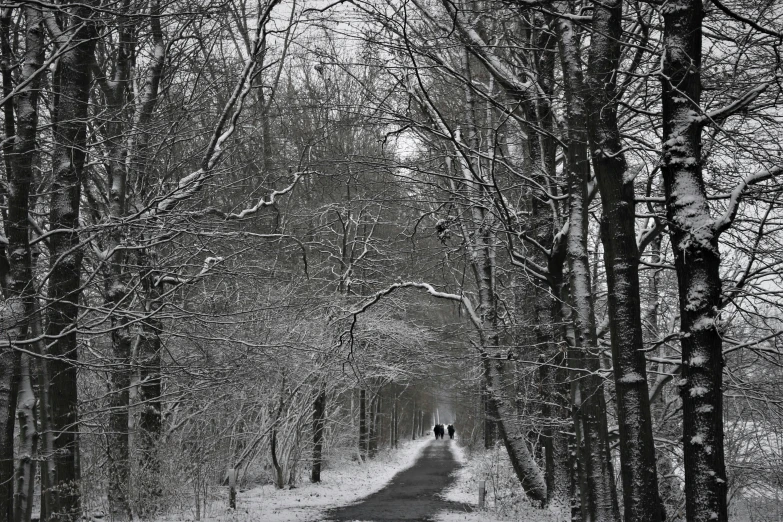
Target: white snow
column 699, row 391
column 342, row 483
column 505, row 500
column 698, row 360
column 631, row 378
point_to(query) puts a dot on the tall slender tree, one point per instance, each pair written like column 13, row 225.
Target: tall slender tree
column 638, row 470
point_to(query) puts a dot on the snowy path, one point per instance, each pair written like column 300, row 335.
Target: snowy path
column 424, row 468
column 414, row 494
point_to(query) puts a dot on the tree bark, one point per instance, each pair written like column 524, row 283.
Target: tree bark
column 489, row 423
column 694, row 240
column 414, row 417
column 117, row 446
column 363, row 442
column 637, row 451
column 9, row 370
column 319, row 420
column 19, row 286
column 71, row 96
column 499, row 405
column 598, row 496
column 28, row 443
column 375, row 425
column 396, row 431
column 279, row 478
column 45, row 416
column 150, row 423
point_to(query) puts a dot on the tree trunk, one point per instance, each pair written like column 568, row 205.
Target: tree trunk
column 490, row 425
column 117, row 442
column 19, row 284
column 149, row 426
column 413, row 421
column 363, row 442
column 44, row 415
column 71, row 95
column 499, row 407
column 396, row 431
column 553, row 383
column 694, row 240
column 512, row 432
column 319, row 419
column 279, row 478
column 598, row 496
column 637, row 451
column 375, row 425
column 9, row 371
column 28, row 443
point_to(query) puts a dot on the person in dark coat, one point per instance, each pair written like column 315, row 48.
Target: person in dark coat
column 451, row 431
column 436, row 430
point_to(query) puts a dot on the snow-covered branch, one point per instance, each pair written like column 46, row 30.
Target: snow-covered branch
column 479, row 48
column 727, row 219
column 209, row 263
column 192, row 183
column 746, row 20
column 263, row 202
column 474, row 317
column 735, row 106
column 61, row 50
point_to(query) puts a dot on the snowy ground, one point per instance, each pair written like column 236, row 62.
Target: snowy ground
column 505, row 501
column 347, row 482
column 343, row 483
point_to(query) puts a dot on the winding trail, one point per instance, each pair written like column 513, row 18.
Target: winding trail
column 412, row 494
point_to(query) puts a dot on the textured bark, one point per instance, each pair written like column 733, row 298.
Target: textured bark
column 28, row 443
column 6, row 59
column 117, row 446
column 71, row 95
column 45, row 416
column 414, row 418
column 18, row 287
column 490, row 423
column 499, row 405
column 512, row 431
column 396, row 435
column 9, row 368
column 598, row 496
column 115, row 94
column 541, row 151
column 279, row 478
column 363, row 442
column 319, row 420
column 694, row 240
column 541, row 165
column 375, row 425
column 149, row 423
column 637, row 451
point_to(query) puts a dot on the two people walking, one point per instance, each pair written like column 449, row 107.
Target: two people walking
column 440, row 431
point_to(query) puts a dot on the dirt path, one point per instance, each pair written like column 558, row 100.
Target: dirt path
column 413, row 493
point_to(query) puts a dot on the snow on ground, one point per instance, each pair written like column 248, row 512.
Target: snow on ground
column 342, row 483
column 505, row 500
